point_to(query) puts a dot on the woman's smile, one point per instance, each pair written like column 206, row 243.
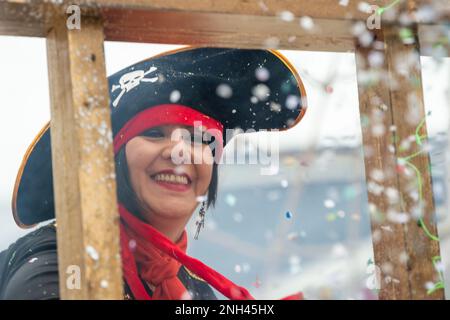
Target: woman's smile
column 170, row 180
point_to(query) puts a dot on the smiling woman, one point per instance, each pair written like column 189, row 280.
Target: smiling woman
column 163, row 169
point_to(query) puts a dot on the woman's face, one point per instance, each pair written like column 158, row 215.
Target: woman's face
column 164, row 186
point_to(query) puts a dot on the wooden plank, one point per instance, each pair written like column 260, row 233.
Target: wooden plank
column 218, row 24
column 83, row 166
column 317, row 9
column 225, row 30
column 23, row 19
column 391, row 108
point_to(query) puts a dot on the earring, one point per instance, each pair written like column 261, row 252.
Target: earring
column 201, row 221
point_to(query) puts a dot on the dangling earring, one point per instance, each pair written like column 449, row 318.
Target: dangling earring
column 200, row 222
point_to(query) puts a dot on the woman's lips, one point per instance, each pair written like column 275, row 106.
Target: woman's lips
column 170, row 180
column 173, row 186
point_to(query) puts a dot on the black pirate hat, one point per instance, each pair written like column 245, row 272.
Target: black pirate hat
column 238, row 88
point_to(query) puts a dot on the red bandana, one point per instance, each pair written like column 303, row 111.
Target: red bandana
column 168, row 114
column 141, row 258
column 152, row 241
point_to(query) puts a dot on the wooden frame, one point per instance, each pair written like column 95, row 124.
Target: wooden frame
column 86, row 210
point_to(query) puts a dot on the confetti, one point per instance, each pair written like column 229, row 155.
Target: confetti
column 331, row 217
column 329, row 203
column 306, row 23
column 92, row 253
column 262, row 74
column 271, row 43
column 201, row 198
column 364, row 7
column 224, row 91
column 286, row 16
column 175, row 96
column 261, row 92
column 132, row 244
column 339, row 251
column 292, row 102
column 32, row 260
column 230, row 200
column 341, row 214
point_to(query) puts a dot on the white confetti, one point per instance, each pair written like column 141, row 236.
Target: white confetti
column 286, row 16
column 339, row 251
column 377, row 175
column 92, row 253
column 230, row 200
column 364, row 7
column 376, row 59
column 275, row 107
column 271, row 43
column 262, row 74
column 261, row 92
column 398, row 217
column 175, row 96
column 292, row 102
column 187, row 295
column 132, row 244
column 224, row 91
column 201, row 198
column 284, row 183
column 306, row 23
column 329, row 203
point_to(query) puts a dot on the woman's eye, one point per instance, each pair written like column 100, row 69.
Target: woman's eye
column 154, row 133
column 199, row 139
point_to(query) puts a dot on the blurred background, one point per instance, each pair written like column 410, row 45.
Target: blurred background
column 304, row 228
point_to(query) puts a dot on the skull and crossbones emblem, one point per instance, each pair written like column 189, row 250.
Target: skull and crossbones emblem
column 131, row 80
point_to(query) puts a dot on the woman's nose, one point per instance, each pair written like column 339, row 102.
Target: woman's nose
column 177, row 150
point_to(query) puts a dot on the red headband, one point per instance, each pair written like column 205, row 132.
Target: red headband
column 165, row 114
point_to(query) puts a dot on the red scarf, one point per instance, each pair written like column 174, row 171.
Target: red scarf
column 143, row 245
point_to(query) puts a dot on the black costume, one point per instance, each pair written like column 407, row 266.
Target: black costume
column 29, row 270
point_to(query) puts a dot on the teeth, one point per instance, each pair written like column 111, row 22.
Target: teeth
column 171, row 178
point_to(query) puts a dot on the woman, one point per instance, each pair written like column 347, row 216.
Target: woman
column 169, row 117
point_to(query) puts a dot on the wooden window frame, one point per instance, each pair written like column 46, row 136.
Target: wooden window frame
column 85, row 188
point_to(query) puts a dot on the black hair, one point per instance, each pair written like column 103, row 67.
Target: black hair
column 127, row 196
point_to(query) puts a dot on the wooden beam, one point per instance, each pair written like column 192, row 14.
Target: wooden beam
column 83, row 165
column 240, row 23
column 398, row 178
column 23, row 19
column 318, row 9
column 226, row 30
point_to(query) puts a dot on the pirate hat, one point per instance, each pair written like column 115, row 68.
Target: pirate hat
column 230, row 88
